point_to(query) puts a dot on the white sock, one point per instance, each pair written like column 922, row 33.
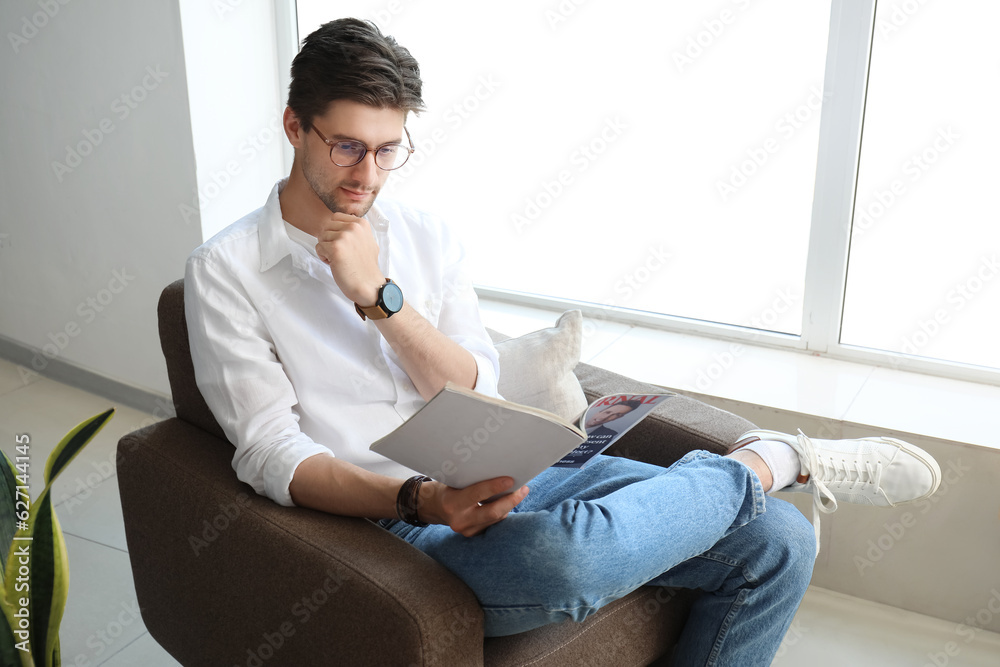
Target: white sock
column 780, row 459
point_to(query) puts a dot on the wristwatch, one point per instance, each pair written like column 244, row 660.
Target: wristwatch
column 390, row 302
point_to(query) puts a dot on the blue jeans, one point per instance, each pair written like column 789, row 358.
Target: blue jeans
column 583, row 538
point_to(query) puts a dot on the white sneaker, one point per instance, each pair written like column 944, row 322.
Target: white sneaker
column 874, row 471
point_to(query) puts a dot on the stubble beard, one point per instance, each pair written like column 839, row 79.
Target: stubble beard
column 326, row 195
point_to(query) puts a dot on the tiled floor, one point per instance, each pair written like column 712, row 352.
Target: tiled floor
column 101, row 625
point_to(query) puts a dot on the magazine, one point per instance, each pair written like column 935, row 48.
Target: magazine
column 461, row 437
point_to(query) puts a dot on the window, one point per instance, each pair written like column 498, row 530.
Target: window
column 702, row 167
column 652, row 156
column 924, row 270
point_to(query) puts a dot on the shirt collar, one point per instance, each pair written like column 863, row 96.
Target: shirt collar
column 274, row 242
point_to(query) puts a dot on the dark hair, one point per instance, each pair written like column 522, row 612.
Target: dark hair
column 633, row 404
column 350, row 59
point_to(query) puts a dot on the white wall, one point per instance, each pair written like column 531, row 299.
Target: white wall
column 100, row 192
column 236, row 106
column 90, row 181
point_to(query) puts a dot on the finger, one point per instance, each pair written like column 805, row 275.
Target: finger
column 511, row 500
column 341, row 221
column 488, row 514
column 489, row 488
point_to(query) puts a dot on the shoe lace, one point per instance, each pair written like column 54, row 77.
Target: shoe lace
column 824, row 471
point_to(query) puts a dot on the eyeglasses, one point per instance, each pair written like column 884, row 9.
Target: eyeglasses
column 347, row 152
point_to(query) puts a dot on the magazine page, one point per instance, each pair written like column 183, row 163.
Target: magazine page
column 606, row 420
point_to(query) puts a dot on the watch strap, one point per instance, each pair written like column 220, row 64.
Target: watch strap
column 376, row 312
column 371, row 312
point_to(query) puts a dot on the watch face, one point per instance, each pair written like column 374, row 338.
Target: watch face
column 392, row 297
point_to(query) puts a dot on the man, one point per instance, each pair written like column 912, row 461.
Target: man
column 599, row 436
column 596, row 423
column 306, row 353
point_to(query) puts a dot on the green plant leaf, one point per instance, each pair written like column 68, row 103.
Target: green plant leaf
column 8, row 500
column 42, row 541
column 11, row 597
column 72, row 443
column 49, row 580
column 9, row 655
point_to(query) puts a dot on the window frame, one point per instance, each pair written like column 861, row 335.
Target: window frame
column 849, row 48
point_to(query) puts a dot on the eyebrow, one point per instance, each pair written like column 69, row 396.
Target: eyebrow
column 346, row 137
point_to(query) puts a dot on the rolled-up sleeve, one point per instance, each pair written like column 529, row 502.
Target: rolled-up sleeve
column 242, row 380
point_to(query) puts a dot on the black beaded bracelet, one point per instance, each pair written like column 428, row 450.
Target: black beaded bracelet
column 406, row 500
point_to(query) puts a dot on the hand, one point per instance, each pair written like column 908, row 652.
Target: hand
column 465, row 510
column 346, row 243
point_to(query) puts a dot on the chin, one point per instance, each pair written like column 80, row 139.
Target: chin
column 356, row 208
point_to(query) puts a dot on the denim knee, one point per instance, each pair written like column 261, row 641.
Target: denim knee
column 792, row 536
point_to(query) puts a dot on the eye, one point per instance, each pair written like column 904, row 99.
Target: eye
column 388, row 150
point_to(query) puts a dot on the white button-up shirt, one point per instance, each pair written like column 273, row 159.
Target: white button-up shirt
column 282, row 358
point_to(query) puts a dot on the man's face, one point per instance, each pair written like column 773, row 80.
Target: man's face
column 609, row 413
column 349, row 190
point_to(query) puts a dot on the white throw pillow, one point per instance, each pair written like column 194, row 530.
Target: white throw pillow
column 536, row 369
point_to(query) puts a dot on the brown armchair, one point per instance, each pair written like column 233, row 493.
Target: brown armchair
column 227, row 577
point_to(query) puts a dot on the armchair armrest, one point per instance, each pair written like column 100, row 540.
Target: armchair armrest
column 223, row 574
column 677, row 426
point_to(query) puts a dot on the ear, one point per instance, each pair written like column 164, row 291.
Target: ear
column 293, row 128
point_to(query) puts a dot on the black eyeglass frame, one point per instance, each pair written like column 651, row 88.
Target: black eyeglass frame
column 330, row 142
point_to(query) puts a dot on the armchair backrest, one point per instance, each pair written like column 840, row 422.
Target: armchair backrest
column 188, row 401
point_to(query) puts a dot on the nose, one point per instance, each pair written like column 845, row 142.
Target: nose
column 366, row 171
